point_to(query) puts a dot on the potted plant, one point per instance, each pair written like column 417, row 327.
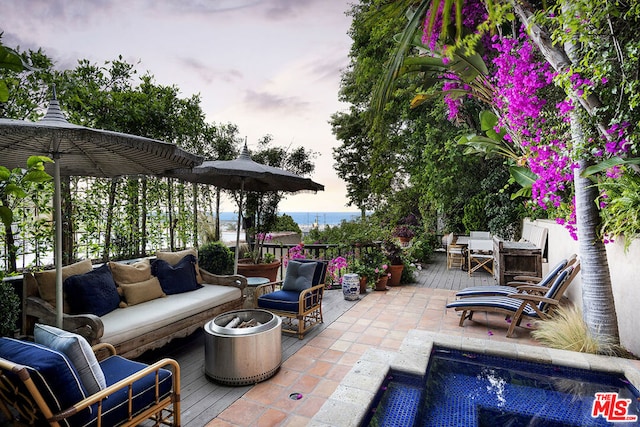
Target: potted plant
column 394, row 254
column 404, row 233
column 381, row 275
column 364, row 271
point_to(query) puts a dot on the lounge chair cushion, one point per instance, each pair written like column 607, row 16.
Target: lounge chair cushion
column 177, row 278
column 501, row 302
column 136, row 293
column 77, row 350
column 52, row 373
column 130, row 273
column 174, row 258
column 282, row 300
column 94, row 292
column 46, row 280
column 299, row 276
column 116, row 368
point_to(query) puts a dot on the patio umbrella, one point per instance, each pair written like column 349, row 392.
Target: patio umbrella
column 82, row 151
column 244, row 174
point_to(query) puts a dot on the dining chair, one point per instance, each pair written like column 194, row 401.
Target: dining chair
column 455, row 254
column 480, row 255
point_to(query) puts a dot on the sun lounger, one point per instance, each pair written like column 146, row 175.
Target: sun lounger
column 519, row 305
column 522, row 283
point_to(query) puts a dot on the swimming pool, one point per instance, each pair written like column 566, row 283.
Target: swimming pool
column 463, row 388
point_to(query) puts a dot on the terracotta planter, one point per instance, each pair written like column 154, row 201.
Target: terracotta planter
column 363, row 285
column 404, row 239
column 248, row 269
column 381, row 283
column 396, row 274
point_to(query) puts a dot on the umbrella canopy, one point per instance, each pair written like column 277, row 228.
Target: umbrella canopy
column 82, row 151
column 244, row 174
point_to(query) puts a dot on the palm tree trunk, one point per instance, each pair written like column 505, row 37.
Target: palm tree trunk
column 598, row 307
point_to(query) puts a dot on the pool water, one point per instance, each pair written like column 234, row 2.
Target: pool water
column 471, row 389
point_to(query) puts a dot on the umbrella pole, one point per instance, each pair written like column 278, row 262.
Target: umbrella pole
column 237, row 251
column 58, row 234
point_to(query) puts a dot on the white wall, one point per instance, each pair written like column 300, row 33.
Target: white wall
column 625, row 278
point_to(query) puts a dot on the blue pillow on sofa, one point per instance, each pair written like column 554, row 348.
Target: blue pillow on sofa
column 178, row 278
column 93, row 292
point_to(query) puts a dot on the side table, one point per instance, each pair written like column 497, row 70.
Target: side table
column 252, row 284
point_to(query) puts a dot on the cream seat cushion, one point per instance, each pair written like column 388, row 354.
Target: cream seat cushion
column 123, row 324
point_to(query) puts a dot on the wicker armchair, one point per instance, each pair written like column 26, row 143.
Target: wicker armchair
column 39, row 385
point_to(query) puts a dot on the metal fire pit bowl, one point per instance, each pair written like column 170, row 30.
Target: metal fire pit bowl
column 243, row 356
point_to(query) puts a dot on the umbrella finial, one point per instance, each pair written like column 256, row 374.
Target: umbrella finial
column 244, row 155
column 54, row 112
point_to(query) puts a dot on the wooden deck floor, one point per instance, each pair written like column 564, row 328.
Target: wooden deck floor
column 203, row 400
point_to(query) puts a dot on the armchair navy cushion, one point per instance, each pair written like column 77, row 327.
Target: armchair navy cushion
column 299, row 276
column 116, row 368
column 52, row 373
column 280, row 300
column 320, row 271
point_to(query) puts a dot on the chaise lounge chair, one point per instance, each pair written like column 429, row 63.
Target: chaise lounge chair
column 521, row 304
column 529, row 284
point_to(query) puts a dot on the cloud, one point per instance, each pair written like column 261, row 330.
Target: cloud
column 265, row 101
column 209, row 74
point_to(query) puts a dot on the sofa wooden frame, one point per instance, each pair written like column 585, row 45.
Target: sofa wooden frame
column 90, row 326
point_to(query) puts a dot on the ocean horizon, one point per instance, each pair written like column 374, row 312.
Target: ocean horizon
column 305, row 219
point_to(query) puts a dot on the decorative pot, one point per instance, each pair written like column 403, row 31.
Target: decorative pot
column 404, row 239
column 396, row 274
column 363, row 285
column 247, row 268
column 381, row 283
column 350, row 286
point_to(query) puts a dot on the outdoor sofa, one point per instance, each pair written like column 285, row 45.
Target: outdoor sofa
column 134, row 307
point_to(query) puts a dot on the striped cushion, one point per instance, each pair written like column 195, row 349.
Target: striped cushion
column 486, row 291
column 52, row 372
column 500, row 302
column 79, row 352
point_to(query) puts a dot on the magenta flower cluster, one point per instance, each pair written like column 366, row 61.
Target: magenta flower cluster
column 336, row 268
column 519, row 78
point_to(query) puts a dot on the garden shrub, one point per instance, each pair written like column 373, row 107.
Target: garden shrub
column 216, row 258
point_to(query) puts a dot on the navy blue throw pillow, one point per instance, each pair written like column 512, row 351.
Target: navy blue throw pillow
column 176, row 279
column 94, row 292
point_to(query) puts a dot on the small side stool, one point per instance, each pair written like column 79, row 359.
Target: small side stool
column 252, row 284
